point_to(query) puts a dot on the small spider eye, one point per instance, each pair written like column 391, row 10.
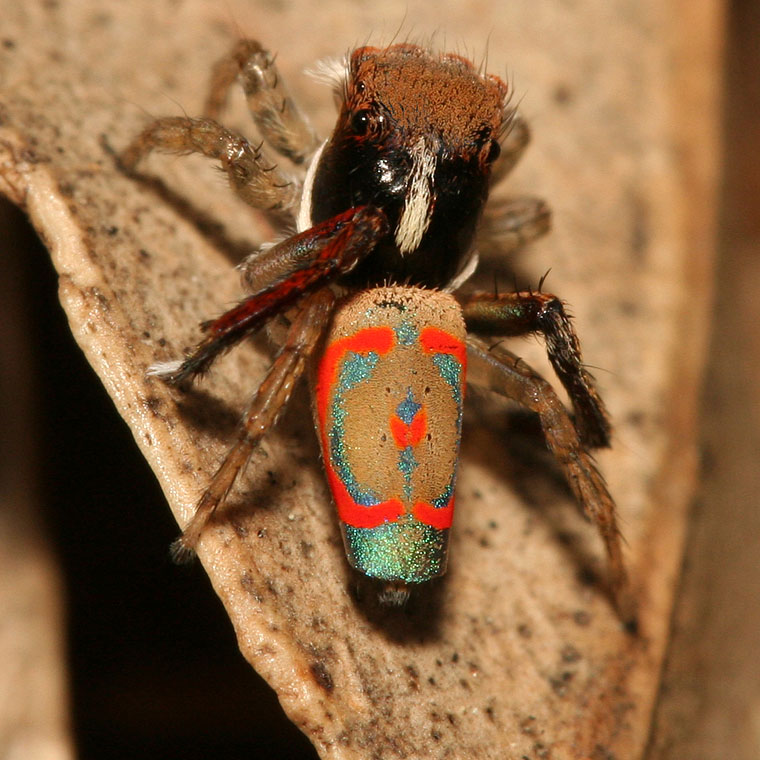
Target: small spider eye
column 494, row 151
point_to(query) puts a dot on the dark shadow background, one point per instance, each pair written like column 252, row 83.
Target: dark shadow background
column 154, row 667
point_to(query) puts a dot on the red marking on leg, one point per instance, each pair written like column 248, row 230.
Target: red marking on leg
column 324, row 249
column 309, row 261
column 257, row 308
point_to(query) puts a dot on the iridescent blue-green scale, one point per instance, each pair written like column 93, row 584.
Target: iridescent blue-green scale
column 444, row 499
column 356, row 368
column 404, row 550
column 451, row 372
column 406, row 333
column 408, row 408
column 407, row 463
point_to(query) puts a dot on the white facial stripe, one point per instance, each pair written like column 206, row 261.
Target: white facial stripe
column 303, row 219
column 415, row 218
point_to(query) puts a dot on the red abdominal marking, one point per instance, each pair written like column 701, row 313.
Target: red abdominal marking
column 437, row 341
column 409, row 435
column 372, row 339
column 436, row 517
column 381, row 340
column 377, row 339
column 357, row 515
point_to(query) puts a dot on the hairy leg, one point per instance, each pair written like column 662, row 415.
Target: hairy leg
column 513, row 314
column 255, row 179
column 278, row 118
column 504, row 373
column 510, row 224
column 271, row 397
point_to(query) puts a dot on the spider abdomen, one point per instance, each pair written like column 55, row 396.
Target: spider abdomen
column 388, row 393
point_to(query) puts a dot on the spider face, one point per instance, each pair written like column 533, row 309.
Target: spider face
column 416, row 137
column 392, row 198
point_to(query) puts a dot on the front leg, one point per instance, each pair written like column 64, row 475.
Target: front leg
column 255, row 179
column 279, row 120
column 285, row 272
column 502, row 372
column 516, row 314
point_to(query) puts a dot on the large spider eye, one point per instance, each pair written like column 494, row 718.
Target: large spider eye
column 360, row 122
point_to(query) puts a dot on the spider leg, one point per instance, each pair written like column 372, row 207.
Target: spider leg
column 501, row 371
column 522, row 313
column 296, row 266
column 278, row 118
column 271, row 397
column 513, row 145
column 256, row 180
column 510, row 224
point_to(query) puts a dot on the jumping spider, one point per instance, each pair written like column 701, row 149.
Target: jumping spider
column 386, row 213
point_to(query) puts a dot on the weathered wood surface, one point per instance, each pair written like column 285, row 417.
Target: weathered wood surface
column 515, row 653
